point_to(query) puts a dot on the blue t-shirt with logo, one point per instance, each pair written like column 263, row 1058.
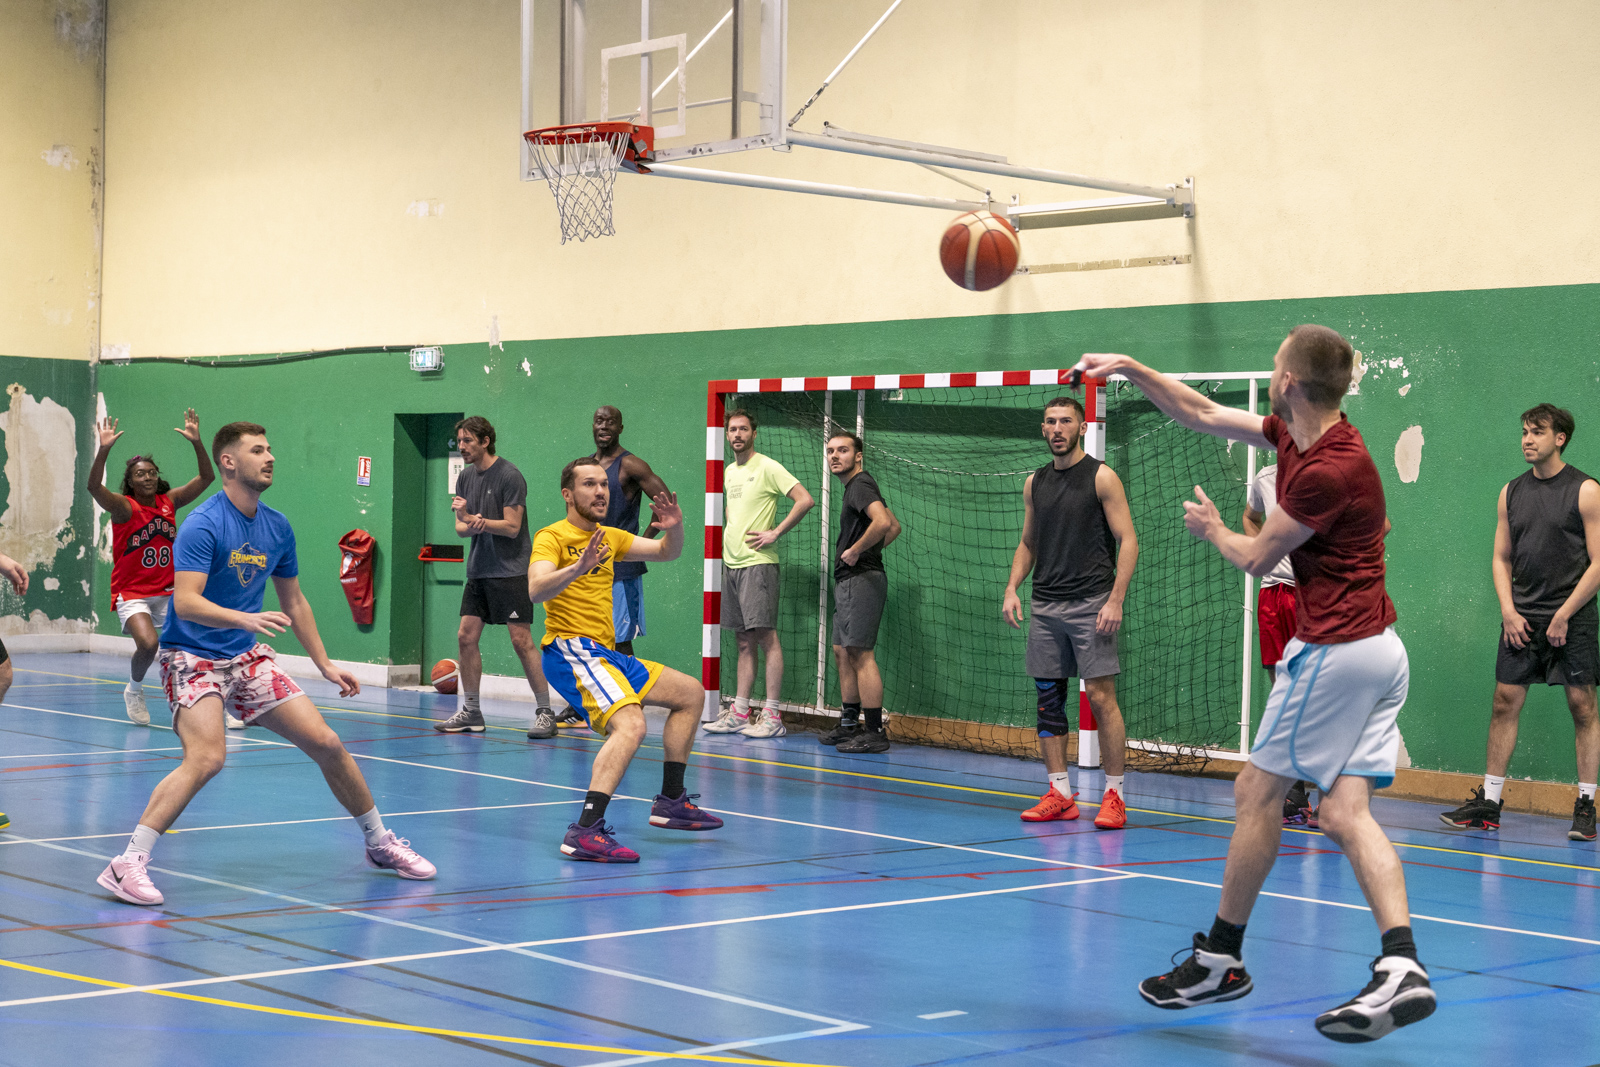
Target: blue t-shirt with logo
column 239, row 555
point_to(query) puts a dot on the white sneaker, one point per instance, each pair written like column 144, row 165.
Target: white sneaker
column 133, row 697
column 1398, row 995
column 765, row 724
column 232, row 723
column 729, row 722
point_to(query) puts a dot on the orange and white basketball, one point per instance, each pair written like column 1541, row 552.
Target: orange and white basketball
column 980, row 250
column 445, row 676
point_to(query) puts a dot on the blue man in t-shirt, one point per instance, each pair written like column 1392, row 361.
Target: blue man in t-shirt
column 212, row 661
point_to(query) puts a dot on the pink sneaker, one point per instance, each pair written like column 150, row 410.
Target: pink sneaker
column 126, row 877
column 395, row 854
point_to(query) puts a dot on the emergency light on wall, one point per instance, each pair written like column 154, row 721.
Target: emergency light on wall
column 425, row 360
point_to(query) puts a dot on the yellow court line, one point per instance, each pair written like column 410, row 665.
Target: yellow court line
column 411, row 1028
column 937, row 785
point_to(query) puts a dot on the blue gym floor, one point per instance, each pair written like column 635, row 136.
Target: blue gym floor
column 855, row 910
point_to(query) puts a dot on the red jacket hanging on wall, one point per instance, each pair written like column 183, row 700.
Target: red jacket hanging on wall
column 355, row 573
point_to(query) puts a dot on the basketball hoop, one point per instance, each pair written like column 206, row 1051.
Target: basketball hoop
column 580, row 162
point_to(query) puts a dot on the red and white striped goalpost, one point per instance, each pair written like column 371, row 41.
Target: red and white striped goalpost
column 1094, row 403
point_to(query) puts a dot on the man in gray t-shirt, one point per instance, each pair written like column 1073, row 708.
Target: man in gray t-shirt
column 491, row 507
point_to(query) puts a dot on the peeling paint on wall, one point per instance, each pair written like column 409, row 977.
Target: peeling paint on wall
column 81, row 26
column 37, row 622
column 425, row 209
column 1404, row 389
column 1357, row 373
column 527, row 369
column 59, row 155
column 52, row 583
column 99, row 520
column 1408, row 454
column 41, row 457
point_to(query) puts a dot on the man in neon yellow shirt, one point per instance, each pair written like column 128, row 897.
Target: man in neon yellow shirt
column 752, row 485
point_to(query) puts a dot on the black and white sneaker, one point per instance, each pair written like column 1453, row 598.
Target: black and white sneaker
column 1204, row 978
column 1478, row 813
column 461, row 722
column 1582, row 820
column 1398, row 995
column 1297, row 799
column 544, row 725
column 843, row 732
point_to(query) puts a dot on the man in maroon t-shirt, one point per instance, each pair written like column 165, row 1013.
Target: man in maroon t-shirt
column 1331, row 715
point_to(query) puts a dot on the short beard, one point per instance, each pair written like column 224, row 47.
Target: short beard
column 589, row 513
column 1280, row 408
column 257, row 487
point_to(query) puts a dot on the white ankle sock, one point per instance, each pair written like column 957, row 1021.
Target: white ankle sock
column 1114, row 781
column 372, row 827
column 770, row 707
column 143, row 840
column 1586, row 789
column 469, row 702
column 1062, row 783
column 134, row 687
column 741, row 705
column 1492, row 787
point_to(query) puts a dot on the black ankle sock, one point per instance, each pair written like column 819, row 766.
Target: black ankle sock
column 851, row 713
column 1397, row 942
column 1226, row 937
column 874, row 718
column 672, row 779
column 594, row 808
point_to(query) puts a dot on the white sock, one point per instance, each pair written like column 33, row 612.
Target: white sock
column 372, row 827
column 1586, row 789
column 135, row 687
column 469, row 702
column 1062, row 783
column 741, row 705
column 1492, row 787
column 1114, row 781
column 770, row 707
column 143, row 840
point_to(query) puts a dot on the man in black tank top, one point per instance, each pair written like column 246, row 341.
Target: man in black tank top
column 1078, row 539
column 1546, row 571
column 631, row 481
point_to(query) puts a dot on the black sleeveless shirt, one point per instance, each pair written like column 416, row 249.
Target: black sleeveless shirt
column 1073, row 551
column 1548, row 550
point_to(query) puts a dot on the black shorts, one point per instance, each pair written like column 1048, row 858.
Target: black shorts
column 1575, row 663
column 498, row 601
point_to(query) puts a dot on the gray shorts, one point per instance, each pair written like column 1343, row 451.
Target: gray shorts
column 858, row 608
column 1062, row 642
column 750, row 597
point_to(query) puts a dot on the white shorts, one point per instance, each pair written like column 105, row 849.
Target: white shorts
column 153, row 606
column 1333, row 709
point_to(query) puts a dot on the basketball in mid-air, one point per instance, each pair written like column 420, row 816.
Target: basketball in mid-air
column 445, row 676
column 980, row 250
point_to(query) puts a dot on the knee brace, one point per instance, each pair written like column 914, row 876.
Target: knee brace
column 1052, row 706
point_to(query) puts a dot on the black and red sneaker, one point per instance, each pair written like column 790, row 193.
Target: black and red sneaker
column 1478, row 813
column 1582, row 820
column 1206, row 977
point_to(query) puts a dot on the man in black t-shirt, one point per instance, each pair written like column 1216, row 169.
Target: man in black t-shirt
column 1546, row 571
column 491, row 506
column 866, row 526
column 1078, row 529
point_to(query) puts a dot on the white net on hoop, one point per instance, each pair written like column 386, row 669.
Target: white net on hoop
column 581, row 171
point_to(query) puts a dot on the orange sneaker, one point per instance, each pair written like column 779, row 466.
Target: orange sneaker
column 1113, row 813
column 1052, row 807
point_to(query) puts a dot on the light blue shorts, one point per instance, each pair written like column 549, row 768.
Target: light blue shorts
column 627, row 607
column 1333, row 711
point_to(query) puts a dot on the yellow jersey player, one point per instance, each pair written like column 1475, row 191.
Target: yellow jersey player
column 570, row 573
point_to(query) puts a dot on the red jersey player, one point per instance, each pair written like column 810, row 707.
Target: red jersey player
column 1331, row 715
column 144, row 521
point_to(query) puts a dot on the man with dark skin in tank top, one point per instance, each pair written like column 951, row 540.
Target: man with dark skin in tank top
column 630, row 477
column 1078, row 529
column 1546, row 568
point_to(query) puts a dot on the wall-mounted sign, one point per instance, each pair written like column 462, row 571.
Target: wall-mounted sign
column 363, row 470
column 456, row 466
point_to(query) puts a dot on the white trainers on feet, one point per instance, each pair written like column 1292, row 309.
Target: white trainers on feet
column 133, row 697
column 231, row 722
column 127, row 878
column 729, row 722
column 396, row 854
column 765, row 724
column 1398, row 995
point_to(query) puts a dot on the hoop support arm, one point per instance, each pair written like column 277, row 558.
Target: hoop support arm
column 792, row 185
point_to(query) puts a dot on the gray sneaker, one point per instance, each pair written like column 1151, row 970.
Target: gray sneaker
column 133, row 698
column 729, row 722
column 765, row 724
column 544, row 725
column 463, row 721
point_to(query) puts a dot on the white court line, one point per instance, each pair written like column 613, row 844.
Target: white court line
column 729, row 1046
column 93, row 751
column 483, row 947
column 281, row 822
column 941, row 1015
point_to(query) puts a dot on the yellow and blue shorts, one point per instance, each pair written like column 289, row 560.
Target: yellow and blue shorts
column 597, row 679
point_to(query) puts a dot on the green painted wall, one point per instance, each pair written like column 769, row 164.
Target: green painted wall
column 1475, row 359
column 69, row 607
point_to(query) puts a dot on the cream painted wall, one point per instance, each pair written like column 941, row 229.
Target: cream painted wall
column 309, row 174
column 50, row 101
